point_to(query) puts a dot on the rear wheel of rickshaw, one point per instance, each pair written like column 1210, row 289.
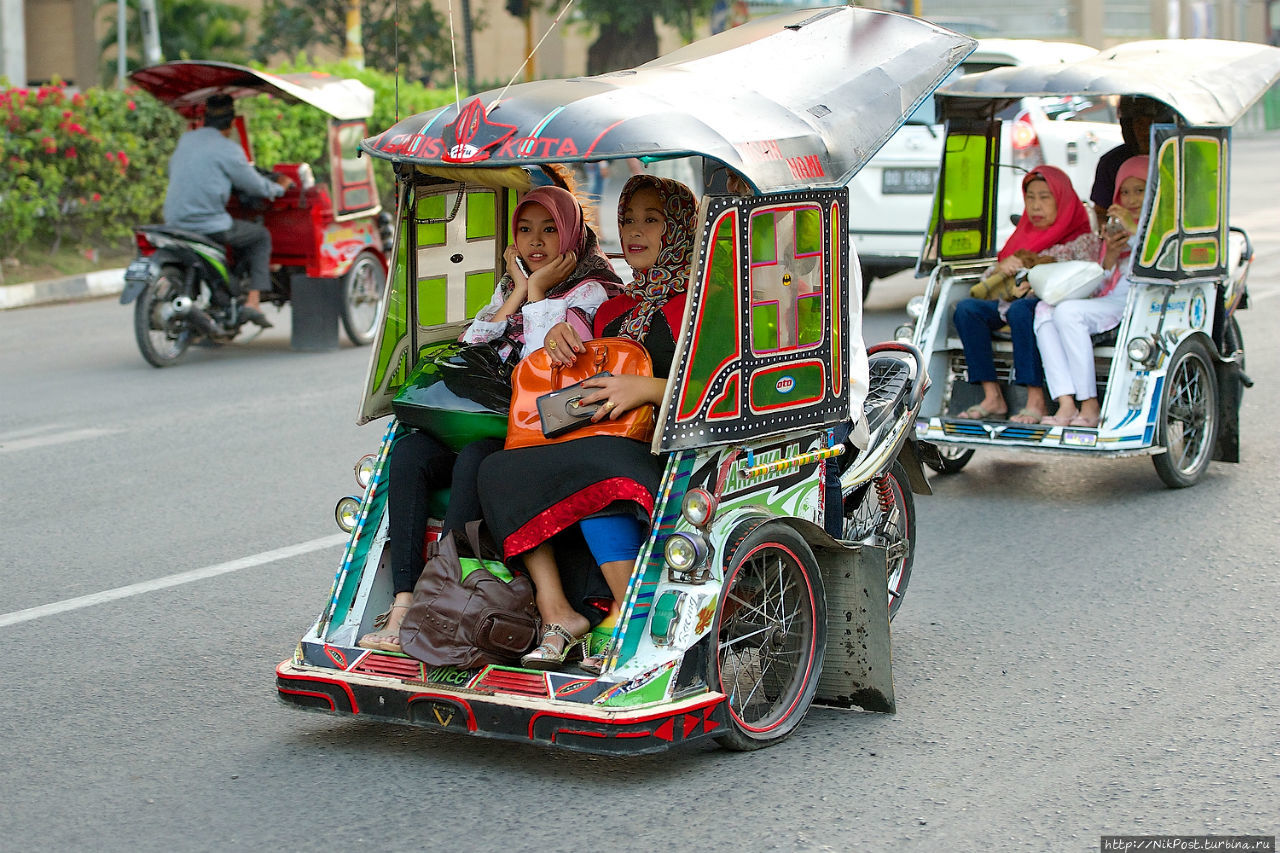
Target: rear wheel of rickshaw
column 886, row 516
column 771, row 637
column 950, row 459
column 163, row 336
column 1188, row 425
column 362, row 294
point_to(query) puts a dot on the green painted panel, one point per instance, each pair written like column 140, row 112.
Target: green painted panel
column 481, row 221
column 480, row 287
column 764, row 243
column 1163, row 224
column 764, row 327
column 807, row 384
column 396, row 326
column 1202, row 160
column 808, row 231
column 961, row 243
column 965, row 166
column 432, row 300
column 716, row 337
column 1199, row 254
column 431, row 207
column 809, row 311
column 654, row 691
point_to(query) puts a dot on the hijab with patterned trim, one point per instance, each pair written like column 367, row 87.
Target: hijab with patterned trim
column 575, row 235
column 669, row 274
column 1072, row 219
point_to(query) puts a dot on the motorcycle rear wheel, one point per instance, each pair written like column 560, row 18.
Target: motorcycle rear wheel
column 163, row 338
column 886, row 516
column 363, row 290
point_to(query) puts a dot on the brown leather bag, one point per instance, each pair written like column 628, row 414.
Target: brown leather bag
column 537, row 376
column 488, row 617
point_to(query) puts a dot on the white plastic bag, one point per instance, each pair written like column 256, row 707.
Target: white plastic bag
column 1063, row 280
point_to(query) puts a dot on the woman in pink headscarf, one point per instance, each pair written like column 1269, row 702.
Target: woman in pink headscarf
column 556, row 274
column 1063, row 331
column 1054, row 223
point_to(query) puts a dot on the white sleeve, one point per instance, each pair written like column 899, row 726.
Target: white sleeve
column 540, row 316
column 484, row 328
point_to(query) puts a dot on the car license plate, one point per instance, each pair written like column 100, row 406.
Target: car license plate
column 908, row 181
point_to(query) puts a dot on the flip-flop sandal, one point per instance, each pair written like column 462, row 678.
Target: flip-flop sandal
column 977, row 413
column 1054, row 420
column 1086, row 423
column 1030, row 416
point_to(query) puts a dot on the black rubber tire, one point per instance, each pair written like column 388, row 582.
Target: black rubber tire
column 1188, row 425
column 953, row 459
column 772, row 574
column 161, row 347
column 891, row 524
column 363, row 290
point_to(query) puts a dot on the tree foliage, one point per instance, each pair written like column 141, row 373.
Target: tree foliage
column 419, row 46
column 189, row 29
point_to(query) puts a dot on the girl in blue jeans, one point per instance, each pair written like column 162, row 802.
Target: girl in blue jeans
column 1054, row 223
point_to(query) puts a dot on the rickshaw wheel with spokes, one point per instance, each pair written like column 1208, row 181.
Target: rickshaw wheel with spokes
column 1188, row 425
column 953, row 459
column 771, row 637
column 362, row 294
column 163, row 338
column 886, row 516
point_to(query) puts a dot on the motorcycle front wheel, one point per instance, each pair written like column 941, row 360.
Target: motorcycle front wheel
column 163, row 336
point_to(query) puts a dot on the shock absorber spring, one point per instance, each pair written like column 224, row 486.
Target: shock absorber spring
column 885, row 490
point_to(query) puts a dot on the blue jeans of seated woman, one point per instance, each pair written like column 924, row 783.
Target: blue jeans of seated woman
column 976, row 319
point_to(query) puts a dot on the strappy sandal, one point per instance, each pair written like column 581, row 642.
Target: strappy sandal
column 384, row 641
column 594, row 664
column 546, row 655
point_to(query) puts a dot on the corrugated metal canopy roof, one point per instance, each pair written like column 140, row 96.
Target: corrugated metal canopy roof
column 185, row 85
column 1210, row 82
column 796, row 100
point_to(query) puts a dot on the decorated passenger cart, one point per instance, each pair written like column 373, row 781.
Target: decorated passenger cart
column 1171, row 374
column 743, row 609
column 326, row 239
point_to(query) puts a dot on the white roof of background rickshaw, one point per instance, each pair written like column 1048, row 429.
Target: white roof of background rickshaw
column 184, row 85
column 792, row 101
column 1209, row 82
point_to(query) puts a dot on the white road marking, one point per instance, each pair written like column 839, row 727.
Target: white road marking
column 8, row 444
column 171, row 580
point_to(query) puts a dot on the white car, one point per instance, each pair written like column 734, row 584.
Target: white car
column 890, row 198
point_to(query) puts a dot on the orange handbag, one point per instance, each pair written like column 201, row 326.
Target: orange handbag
column 537, row 376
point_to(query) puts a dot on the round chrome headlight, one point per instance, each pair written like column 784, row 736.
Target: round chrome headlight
column 684, row 552
column 346, row 513
column 904, row 333
column 915, row 307
column 364, row 469
column 698, row 507
column 1140, row 350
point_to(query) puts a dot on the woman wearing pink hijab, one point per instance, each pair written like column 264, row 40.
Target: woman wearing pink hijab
column 1063, row 332
column 1054, row 223
column 556, row 273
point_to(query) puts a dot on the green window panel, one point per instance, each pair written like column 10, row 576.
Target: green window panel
column 1163, row 224
column 809, row 311
column 806, row 384
column 431, row 207
column 1201, row 166
column 481, row 219
column 1200, row 254
column 433, row 300
column 394, row 328
column 480, row 287
column 965, row 176
column 716, row 335
column 764, row 327
column 808, row 231
column 764, row 242
column 960, row 243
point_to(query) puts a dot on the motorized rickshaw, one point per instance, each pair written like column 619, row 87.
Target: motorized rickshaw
column 744, row 608
column 327, row 241
column 1171, row 374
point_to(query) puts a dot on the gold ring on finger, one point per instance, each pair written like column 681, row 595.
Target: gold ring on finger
column 551, row 344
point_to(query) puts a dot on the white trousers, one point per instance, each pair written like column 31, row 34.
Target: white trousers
column 1063, row 335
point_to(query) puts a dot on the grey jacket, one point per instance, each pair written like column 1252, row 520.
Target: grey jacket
column 202, row 172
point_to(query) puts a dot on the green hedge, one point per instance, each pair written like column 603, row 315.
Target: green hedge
column 81, row 169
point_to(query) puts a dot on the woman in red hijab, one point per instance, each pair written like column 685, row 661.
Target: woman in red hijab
column 1054, row 223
